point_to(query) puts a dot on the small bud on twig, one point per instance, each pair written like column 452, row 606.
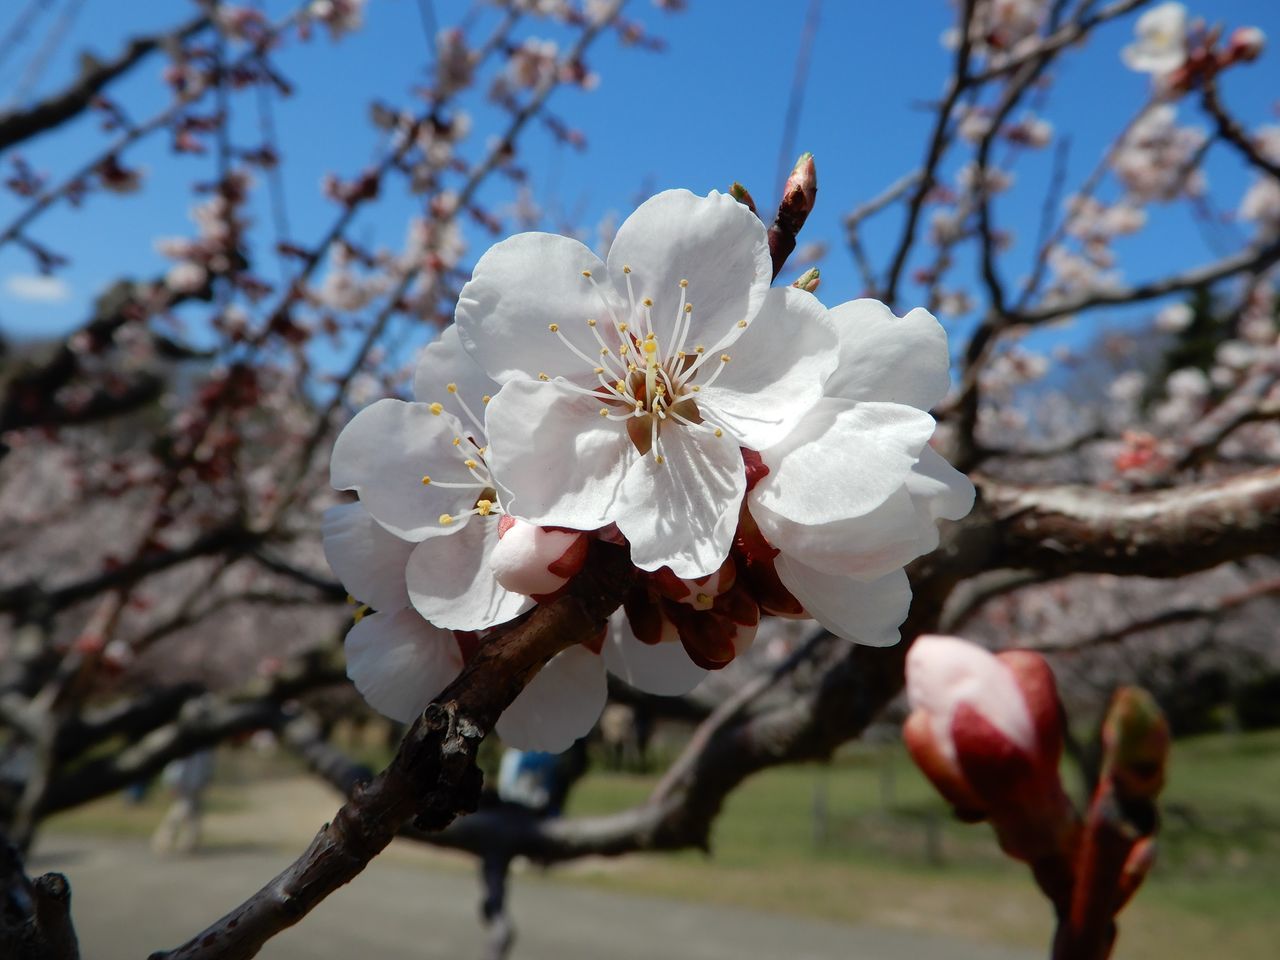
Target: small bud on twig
column 807, row 281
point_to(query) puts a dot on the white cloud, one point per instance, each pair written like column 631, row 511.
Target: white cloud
column 35, row 288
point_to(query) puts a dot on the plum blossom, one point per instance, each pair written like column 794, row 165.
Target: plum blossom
column 419, row 469
column 1161, row 44
column 621, row 401
column 854, row 492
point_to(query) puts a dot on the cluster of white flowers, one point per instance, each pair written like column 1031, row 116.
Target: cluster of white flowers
column 1156, row 160
column 756, row 452
column 1261, row 202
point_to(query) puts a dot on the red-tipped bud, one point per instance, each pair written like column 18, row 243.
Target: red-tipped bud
column 1245, row 45
column 986, row 731
column 536, row 561
column 801, row 190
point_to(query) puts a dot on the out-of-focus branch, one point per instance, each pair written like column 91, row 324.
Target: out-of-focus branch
column 1250, row 260
column 1181, row 613
column 938, row 142
column 19, row 125
column 433, row 776
column 1078, row 529
column 1229, row 129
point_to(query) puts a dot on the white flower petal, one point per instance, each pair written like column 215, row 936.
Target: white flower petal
column 884, row 357
column 559, row 462
column 864, row 612
column 367, row 558
column 843, row 460
column 662, row 668
column 865, row 547
column 714, row 242
column 682, row 513
column 941, row 492
column 444, row 362
column 519, row 288
column 452, row 585
column 777, row 370
column 561, row 704
column 399, row 662
column 384, row 453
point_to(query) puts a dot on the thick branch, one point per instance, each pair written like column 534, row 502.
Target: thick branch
column 1076, row 529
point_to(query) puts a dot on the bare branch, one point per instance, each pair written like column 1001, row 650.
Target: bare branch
column 19, row 125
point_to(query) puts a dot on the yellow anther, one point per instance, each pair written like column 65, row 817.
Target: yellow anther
column 632, row 367
column 360, row 612
column 426, row 480
column 622, row 327
column 486, row 398
column 681, row 354
column 661, row 459
column 484, row 507
column 445, row 519
column 684, row 283
column 724, row 358
column 457, row 441
column 451, row 387
column 704, row 599
column 623, row 349
column 719, row 432
column 599, row 370
column 695, row 388
column 619, row 385
column 604, row 412
column 651, row 346
column 469, row 464
column 742, row 324
column 688, row 308
column 587, row 274
column 625, row 268
column 699, row 349
column 591, row 323
column 352, row 600
column 604, row 351
column 553, row 327
column 482, row 450
column 543, row 377
column 647, row 302
column 436, row 408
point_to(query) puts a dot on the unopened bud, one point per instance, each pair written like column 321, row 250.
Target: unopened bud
column 536, row 561
column 802, row 185
column 1135, row 740
column 742, row 195
column 807, row 281
column 1246, row 44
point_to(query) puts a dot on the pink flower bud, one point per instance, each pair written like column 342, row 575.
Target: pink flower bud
column 536, row 561
column 986, row 730
column 945, row 673
column 1246, row 44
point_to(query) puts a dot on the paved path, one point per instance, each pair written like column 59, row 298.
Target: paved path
column 127, row 903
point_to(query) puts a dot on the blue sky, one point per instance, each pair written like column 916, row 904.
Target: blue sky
column 707, row 111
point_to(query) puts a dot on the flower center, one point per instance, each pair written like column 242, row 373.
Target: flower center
column 471, row 452
column 644, row 383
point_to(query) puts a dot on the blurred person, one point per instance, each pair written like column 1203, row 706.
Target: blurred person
column 188, row 778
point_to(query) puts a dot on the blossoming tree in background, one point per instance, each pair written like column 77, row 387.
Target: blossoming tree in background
column 632, row 459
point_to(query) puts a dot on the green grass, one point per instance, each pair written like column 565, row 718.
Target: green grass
column 887, row 852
